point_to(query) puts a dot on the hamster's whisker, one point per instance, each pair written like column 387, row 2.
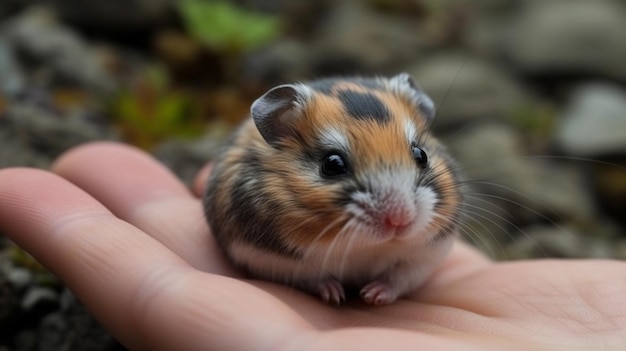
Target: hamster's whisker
column 474, row 234
column 338, row 237
column 481, row 196
column 311, row 247
column 515, row 192
column 352, row 235
column 474, row 210
column 319, row 236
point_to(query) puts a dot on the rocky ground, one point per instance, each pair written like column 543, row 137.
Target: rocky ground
column 531, row 100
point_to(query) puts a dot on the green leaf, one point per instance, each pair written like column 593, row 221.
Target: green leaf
column 226, row 27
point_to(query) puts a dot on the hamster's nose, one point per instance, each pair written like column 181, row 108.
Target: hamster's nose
column 398, row 218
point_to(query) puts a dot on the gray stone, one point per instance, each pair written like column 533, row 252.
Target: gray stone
column 299, row 16
column 19, row 277
column 186, row 157
column 283, row 61
column 12, row 82
column 123, row 16
column 466, row 89
column 51, row 332
column 8, row 298
column 37, row 135
column 595, row 122
column 37, row 295
column 493, row 161
column 56, row 51
column 67, row 300
column 543, row 241
column 572, row 36
column 355, row 39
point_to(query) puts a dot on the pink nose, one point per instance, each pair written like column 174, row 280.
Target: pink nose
column 398, row 218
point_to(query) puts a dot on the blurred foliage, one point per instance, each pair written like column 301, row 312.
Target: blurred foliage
column 224, row 27
column 21, row 258
column 539, row 119
column 152, row 111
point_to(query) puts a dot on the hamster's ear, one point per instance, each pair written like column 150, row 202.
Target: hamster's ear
column 275, row 112
column 425, row 104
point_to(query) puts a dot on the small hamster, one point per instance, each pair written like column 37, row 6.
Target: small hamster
column 337, row 184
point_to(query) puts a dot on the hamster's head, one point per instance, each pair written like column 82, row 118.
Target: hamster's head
column 353, row 158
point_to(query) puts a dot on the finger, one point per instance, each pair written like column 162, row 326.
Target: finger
column 80, row 240
column 141, row 291
column 140, row 190
column 201, row 179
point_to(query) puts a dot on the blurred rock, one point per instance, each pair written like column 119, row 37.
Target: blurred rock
column 19, row 277
column 300, row 16
column 569, row 37
column 595, row 122
column 121, row 16
column 545, row 241
column 477, row 6
column 186, row 157
column 12, row 82
column 609, row 179
column 36, row 297
column 467, row 89
column 8, row 299
column 493, row 161
column 54, row 52
column 283, row 61
column 51, row 332
column 34, row 136
column 354, row 39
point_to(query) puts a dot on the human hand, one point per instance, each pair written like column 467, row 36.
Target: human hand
column 130, row 241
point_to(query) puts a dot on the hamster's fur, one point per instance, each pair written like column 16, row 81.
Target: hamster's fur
column 337, row 183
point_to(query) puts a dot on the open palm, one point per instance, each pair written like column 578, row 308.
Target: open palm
column 130, row 241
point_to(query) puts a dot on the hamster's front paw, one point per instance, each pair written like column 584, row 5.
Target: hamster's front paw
column 379, row 293
column 331, row 291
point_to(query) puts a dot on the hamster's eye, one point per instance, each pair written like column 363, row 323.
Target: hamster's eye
column 333, row 165
column 420, row 156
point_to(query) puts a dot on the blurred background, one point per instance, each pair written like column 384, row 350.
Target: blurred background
column 531, row 99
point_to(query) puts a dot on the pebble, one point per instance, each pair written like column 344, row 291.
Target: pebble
column 38, row 296
column 13, row 81
column 19, row 277
column 573, row 36
column 493, row 161
column 544, row 241
column 186, row 157
column 51, row 334
column 466, row 89
column 344, row 45
column 594, row 123
column 54, row 51
column 39, row 135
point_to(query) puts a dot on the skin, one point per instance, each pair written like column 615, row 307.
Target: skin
column 130, row 241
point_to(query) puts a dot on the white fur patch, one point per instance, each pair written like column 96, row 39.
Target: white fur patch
column 332, row 138
column 426, row 201
column 410, row 131
column 305, row 94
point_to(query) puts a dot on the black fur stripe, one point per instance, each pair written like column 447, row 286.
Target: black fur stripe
column 364, row 106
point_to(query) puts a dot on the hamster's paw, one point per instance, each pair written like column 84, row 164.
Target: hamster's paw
column 378, row 293
column 331, row 291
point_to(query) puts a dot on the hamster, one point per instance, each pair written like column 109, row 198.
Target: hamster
column 337, row 184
